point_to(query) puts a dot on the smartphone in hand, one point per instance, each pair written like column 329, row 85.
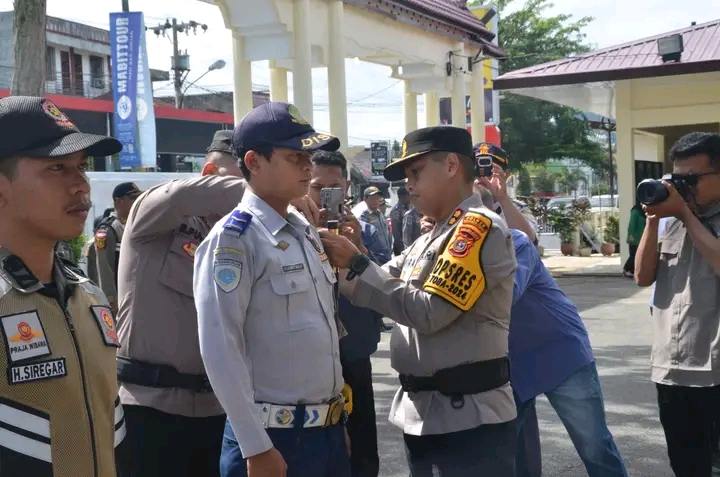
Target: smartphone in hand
column 332, row 199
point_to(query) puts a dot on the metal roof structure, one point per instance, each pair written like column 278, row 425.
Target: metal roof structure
column 449, row 18
column 633, row 60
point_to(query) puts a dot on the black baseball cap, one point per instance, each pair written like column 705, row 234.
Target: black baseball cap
column 281, row 125
column 496, row 153
column 222, row 142
column 425, row 140
column 126, row 189
column 35, row 127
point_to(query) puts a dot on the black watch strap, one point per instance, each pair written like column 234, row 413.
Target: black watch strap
column 358, row 264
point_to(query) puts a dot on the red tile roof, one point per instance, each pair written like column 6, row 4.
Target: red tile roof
column 453, row 11
column 637, row 59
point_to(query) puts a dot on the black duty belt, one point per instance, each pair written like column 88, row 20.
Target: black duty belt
column 159, row 376
column 471, row 378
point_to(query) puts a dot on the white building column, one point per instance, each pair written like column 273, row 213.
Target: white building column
column 337, row 95
column 410, row 109
column 278, row 83
column 432, row 109
column 477, row 104
column 242, row 79
column 459, row 113
column 625, row 159
column 302, row 61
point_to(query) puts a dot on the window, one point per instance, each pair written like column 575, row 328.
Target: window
column 50, row 65
column 97, row 72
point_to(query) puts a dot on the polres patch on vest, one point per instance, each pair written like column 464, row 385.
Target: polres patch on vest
column 40, row 370
column 106, row 322
column 24, row 336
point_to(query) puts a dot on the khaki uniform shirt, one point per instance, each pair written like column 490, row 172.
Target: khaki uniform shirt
column 157, row 322
column 452, row 310
column 266, row 313
column 59, row 411
column 108, row 237
column 686, row 314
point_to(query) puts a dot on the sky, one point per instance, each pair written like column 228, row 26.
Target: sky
column 374, row 99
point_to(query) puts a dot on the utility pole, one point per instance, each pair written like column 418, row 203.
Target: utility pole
column 125, row 5
column 180, row 61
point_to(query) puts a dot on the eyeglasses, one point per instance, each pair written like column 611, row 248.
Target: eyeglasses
column 692, row 179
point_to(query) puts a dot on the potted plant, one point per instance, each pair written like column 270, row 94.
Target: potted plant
column 580, row 212
column 611, row 236
column 563, row 224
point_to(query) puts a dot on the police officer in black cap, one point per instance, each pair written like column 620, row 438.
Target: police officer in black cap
column 451, row 294
column 220, row 159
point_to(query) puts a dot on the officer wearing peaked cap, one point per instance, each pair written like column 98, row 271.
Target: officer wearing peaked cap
column 452, row 302
column 59, row 414
column 264, row 292
column 219, row 158
column 517, row 214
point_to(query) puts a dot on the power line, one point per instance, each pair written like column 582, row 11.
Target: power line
column 181, row 61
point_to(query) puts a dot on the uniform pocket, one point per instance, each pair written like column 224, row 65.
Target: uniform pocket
column 24, row 441
column 670, row 251
column 294, row 289
column 176, row 272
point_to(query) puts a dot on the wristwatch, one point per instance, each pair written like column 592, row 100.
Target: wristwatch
column 358, row 264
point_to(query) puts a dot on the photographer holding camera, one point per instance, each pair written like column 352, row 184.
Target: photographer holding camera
column 684, row 264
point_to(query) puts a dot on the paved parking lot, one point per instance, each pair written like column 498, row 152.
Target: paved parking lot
column 616, row 314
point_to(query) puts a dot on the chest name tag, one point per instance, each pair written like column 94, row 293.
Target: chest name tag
column 457, row 275
column 24, row 336
column 25, row 373
column 106, row 322
column 296, row 267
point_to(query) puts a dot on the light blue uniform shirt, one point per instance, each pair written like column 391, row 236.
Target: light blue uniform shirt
column 266, row 314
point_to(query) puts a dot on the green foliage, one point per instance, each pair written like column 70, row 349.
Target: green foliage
column 396, row 148
column 524, row 187
column 544, row 181
column 580, row 212
column 570, row 178
column 611, row 234
column 77, row 245
column 533, row 130
column 563, row 222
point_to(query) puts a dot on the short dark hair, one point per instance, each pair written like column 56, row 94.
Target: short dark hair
column 264, row 150
column 697, row 143
column 8, row 167
column 467, row 163
column 331, row 158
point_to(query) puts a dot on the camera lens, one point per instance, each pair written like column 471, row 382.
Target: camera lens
column 651, row 191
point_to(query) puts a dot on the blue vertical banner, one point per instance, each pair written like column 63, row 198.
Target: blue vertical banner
column 145, row 107
column 126, row 29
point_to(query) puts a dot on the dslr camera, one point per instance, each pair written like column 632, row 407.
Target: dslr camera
column 652, row 191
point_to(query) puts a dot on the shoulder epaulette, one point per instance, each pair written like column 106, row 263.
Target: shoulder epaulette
column 238, row 222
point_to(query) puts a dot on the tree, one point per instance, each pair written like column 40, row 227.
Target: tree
column 396, row 148
column 534, row 131
column 524, row 188
column 544, row 181
column 29, row 47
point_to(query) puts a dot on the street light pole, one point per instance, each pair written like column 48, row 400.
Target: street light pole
column 218, row 65
column 125, row 5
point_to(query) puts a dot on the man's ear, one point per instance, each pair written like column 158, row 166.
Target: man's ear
column 209, row 169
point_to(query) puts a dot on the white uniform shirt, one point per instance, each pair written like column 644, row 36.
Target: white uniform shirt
column 263, row 291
